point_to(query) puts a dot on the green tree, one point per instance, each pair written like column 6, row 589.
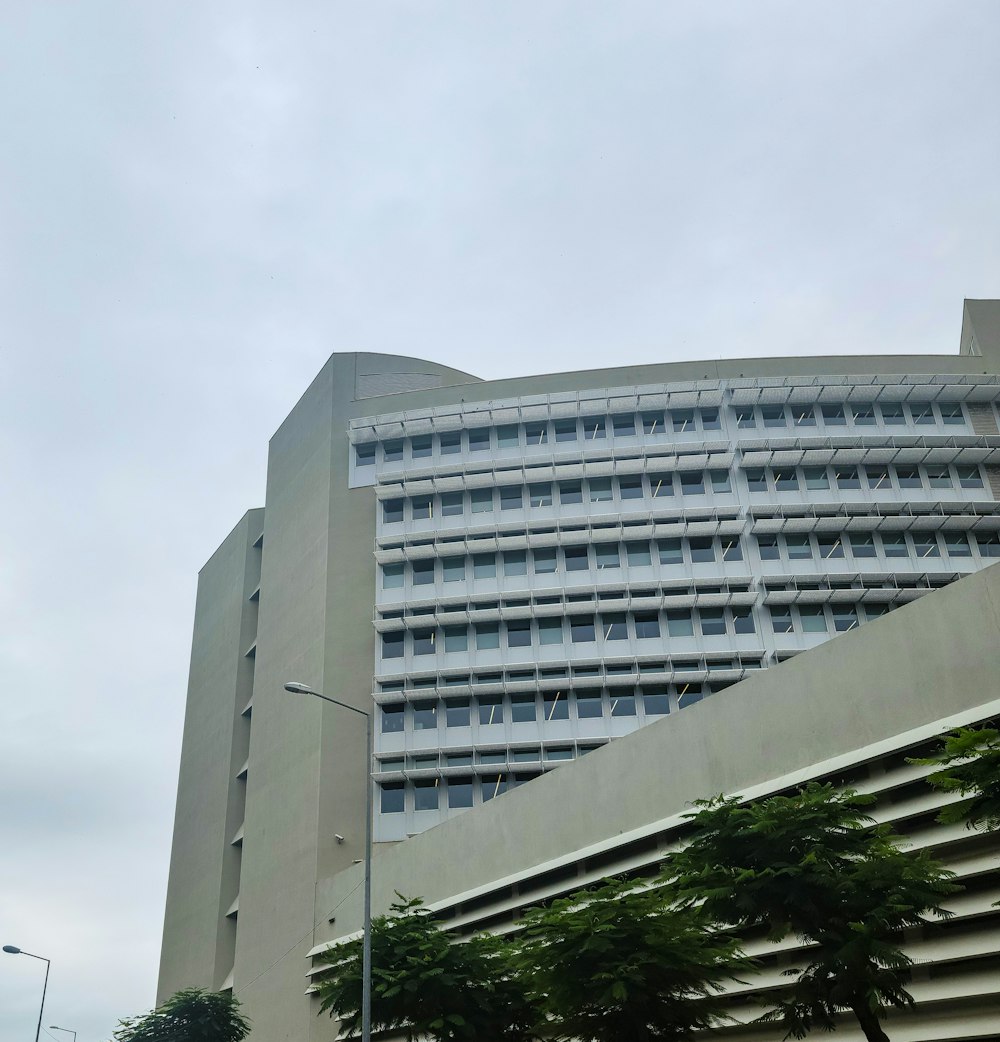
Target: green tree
column 192, row 1015
column 970, row 758
column 617, row 964
column 813, row 865
column 427, row 985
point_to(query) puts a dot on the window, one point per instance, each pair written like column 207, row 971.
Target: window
column 692, row 483
column 556, row 706
column 922, row 412
column 892, row 414
column 756, row 479
column 682, row 419
column 745, row 418
column 878, row 477
column 638, row 555
column 939, row 477
column 894, row 544
column 487, row 636
column 484, row 566
column 515, row 562
column 969, row 477
column 392, row 645
column 482, row 500
column 713, row 621
column 670, row 551
column 392, row 511
column 720, row 481
column 661, row 485
column 519, row 633
column 457, row 712
column 540, row 495
column 570, row 492
column 864, row 414
column 798, row 547
column 364, row 455
column 550, row 631
column 421, row 508
column 565, row 430
column 767, row 547
column 599, row 490
column 710, row 420
column 536, row 433
column 392, row 576
column 594, row 428
column 847, row 477
column 576, row 558
column 589, row 705
column 830, row 547
column 781, row 618
column 507, row 436
column 743, row 620
column 731, row 548
column 957, row 544
column 423, row 573
column 490, row 711
column 623, row 425
column 816, row 478
column 909, row 477
column 493, row 787
column 786, row 480
column 391, row 798
column 453, row 569
column 392, row 451
column 456, row 638
column 679, row 624
column 622, row 704
column 647, row 625
column 614, row 627
column 813, row 619
column 421, row 448
column 392, row 719
column 544, row 561
column 527, row 755
column 702, row 550
column 862, row 546
column 479, row 439
column 607, row 555
column 423, row 642
column 450, row 443
column 951, row 413
column 845, row 617
column 451, row 504
column 773, row 415
column 459, row 793
column 424, row 716
column 803, row 415
column 925, row 544
column 833, row 415
column 652, row 423
column 989, row 544
column 522, row 709
column 656, row 703
column 630, row 488
column 511, row 497
column 582, row 629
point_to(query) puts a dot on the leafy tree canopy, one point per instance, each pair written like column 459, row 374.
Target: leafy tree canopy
column 193, row 1015
column 971, row 761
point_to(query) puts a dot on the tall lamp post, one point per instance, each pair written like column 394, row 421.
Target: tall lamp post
column 11, row 950
column 366, row 965
column 69, row 1031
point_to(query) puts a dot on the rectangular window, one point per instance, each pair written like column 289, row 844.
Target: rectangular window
column 702, row 550
column 652, row 423
column 421, row 448
column 392, row 576
column 424, row 716
column 453, row 569
column 457, row 712
column 392, row 511
column 731, row 548
column 710, row 420
column 969, row 477
column 622, row 704
column 894, row 544
column 957, row 544
column 570, row 492
column 803, row 415
column 479, row 439
column 781, row 618
column 450, row 443
column 925, row 544
column 490, row 711
column 423, row 573
column 487, row 636
column 493, row 787
column 614, row 627
column 864, row 414
column 392, row 451
column 451, row 504
column 817, row 478
column 939, row 477
column 720, row 481
column 536, row 433
column 756, row 479
column 638, row 555
column 845, row 617
column 515, row 562
column 773, row 415
column 830, row 547
column 713, row 621
column 682, row 420
column 544, row 561
column 692, row 483
column 679, row 623
column 743, row 620
column 847, row 477
column 909, row 477
column 550, row 631
column 989, row 544
column 391, row 798
column 589, row 705
column 786, row 480
column 630, row 488
column 582, row 629
column 364, row 455
column 565, row 430
column 392, row 645
column 670, row 551
column 392, row 719
column 594, row 428
column 576, row 558
column 519, row 633
column 511, row 497
column 507, row 436
column 540, row 495
column 798, row 547
column 482, row 500
column 423, row 642
column 607, row 555
column 862, row 546
column 951, row 413
column 456, row 638
column 522, row 709
column 922, row 413
column 647, row 625
column 556, row 706
column 623, row 425
column 892, row 414
column 767, row 547
column 661, row 485
column 656, row 703
column 878, row 477
column 421, row 508
column 459, row 793
column 599, row 490
column 813, row 619
column 833, row 415
column 484, row 566
column 745, row 419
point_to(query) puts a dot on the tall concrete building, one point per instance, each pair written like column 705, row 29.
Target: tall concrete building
column 517, row 574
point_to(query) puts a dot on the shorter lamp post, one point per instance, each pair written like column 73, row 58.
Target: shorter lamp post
column 69, row 1031
column 366, row 965
column 11, row 950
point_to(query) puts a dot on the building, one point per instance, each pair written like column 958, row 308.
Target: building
column 558, row 561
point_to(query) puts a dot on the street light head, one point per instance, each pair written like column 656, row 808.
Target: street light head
column 299, row 689
column 11, row 950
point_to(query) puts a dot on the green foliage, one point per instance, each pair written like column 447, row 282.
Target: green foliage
column 813, row 865
column 971, row 761
column 426, row 985
column 193, row 1015
column 615, row 964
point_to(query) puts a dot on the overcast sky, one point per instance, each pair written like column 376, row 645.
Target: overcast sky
column 200, row 201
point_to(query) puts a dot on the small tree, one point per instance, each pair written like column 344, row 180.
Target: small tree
column 425, row 984
column 193, row 1015
column 971, row 761
column 814, row 866
column 616, row 964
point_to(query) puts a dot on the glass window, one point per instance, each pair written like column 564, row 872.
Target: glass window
column 570, row 492
column 599, row 490
column 957, row 544
column 845, row 617
column 511, row 497
column 457, row 712
column 490, row 711
column 614, row 626
column 661, row 485
column 515, row 562
column 803, row 415
column 423, row 642
column 544, row 560
column 731, row 548
column 816, row 478
column 459, row 793
column 745, row 418
column 576, row 558
column 623, row 425
column 527, row 755
column 864, row 414
column 364, row 455
column 638, row 554
column 830, row 547
column 630, row 488
column 720, row 481
column 951, row 413
column 622, row 703
column 925, row 544
column 519, row 633
column 423, row 573
column 487, row 636
column 710, row 420
column 582, row 629
column 479, row 439
column 682, row 419
column 558, row 754
column 713, row 621
column 692, row 483
column 786, row 480
column 453, row 568
column 484, row 566
column 391, row 798
column 392, row 510
column 647, row 625
column 550, row 631
column 989, row 544
column 743, row 620
column 909, row 477
column 565, row 430
column 894, row 544
column 589, row 705
column 556, row 706
column 522, row 709
column 798, row 547
column 969, row 477
column 450, row 443
column 922, row 413
column 392, row 576
column 607, row 555
column 767, row 547
column 392, row 451
column 833, row 415
column 670, row 551
column 482, row 500
column 679, row 623
column 507, row 436
column 813, row 619
column 424, row 716
column 392, row 719
column 652, row 423
column 878, row 477
column 939, row 477
column 781, row 618
column 421, row 448
column 756, row 479
column 594, row 428
column 773, row 415
column 451, row 504
column 862, row 545
column 392, row 645
column 892, row 414
column 656, row 703
column 421, row 508
column 536, row 433
column 493, row 787
column 847, row 477
column 540, row 495
column 702, row 550
column 456, row 638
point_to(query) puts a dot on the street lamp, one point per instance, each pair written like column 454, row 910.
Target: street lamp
column 366, row 965
column 69, row 1031
column 11, row 950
